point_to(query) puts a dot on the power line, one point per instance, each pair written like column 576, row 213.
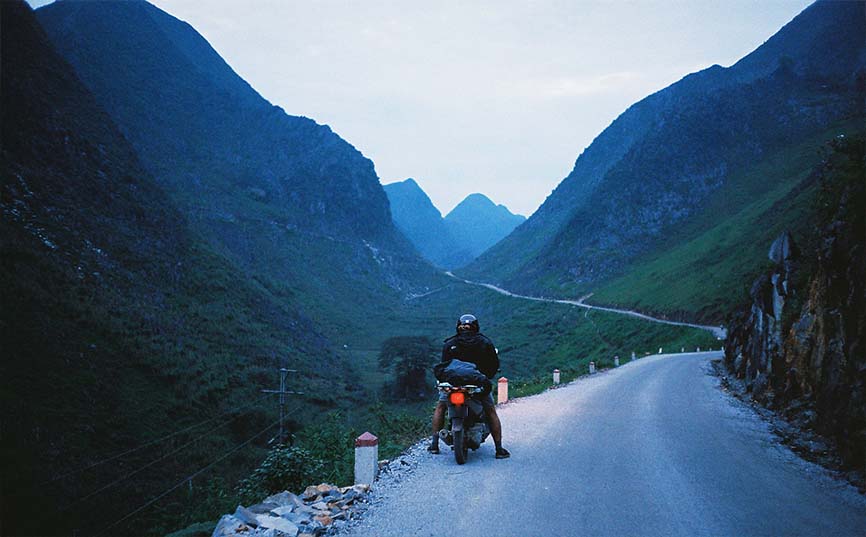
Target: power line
column 148, row 465
column 282, row 400
column 185, row 480
column 150, row 443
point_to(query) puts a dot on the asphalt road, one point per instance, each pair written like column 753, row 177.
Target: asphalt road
column 718, row 331
column 651, row 448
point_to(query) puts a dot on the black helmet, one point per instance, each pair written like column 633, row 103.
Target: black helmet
column 467, row 323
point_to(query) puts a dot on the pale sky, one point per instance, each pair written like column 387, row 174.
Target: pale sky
column 498, row 97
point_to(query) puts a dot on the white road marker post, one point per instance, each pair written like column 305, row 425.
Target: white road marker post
column 592, row 368
column 555, row 376
column 616, row 361
column 660, row 350
column 366, row 459
column 699, row 349
column 502, row 391
column 682, row 349
column 632, row 356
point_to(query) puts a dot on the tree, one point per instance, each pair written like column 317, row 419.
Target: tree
column 410, row 357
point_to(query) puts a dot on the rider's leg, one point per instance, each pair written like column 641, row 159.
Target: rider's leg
column 496, row 431
column 495, row 425
column 438, row 424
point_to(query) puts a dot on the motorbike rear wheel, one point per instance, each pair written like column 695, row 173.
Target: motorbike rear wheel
column 459, row 446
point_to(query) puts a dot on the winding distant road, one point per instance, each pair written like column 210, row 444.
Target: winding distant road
column 717, row 331
column 651, row 448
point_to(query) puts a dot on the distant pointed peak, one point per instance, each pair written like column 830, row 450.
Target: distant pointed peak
column 475, row 202
column 476, row 199
column 407, row 185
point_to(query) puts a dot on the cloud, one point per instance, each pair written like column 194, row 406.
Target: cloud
column 570, row 86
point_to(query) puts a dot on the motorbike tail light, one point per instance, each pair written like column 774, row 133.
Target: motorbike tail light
column 457, row 398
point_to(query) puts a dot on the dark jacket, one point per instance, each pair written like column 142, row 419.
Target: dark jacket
column 475, row 348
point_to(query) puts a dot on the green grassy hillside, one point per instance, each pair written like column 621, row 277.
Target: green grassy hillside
column 119, row 325
column 642, row 220
column 702, row 269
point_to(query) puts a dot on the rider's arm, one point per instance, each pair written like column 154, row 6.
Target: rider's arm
column 445, row 352
column 492, row 359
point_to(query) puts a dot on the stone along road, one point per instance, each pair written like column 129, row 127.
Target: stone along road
column 651, row 448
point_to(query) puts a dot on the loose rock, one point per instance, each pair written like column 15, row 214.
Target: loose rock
column 246, row 516
column 280, row 524
column 284, row 498
column 310, row 493
column 262, row 508
column 319, row 510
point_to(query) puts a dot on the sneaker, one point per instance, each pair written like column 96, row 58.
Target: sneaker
column 433, row 448
column 502, row 453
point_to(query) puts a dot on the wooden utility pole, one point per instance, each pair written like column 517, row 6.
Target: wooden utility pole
column 283, row 393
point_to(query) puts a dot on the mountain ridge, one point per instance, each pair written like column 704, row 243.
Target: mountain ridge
column 281, row 196
column 475, row 224
column 421, row 222
column 117, row 319
column 660, row 161
column 205, row 102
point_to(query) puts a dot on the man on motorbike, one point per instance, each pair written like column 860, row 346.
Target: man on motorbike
column 470, row 345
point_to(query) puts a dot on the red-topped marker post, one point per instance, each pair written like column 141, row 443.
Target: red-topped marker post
column 555, row 377
column 366, row 459
column 502, row 391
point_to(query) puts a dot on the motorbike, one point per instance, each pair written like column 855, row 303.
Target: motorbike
column 467, row 424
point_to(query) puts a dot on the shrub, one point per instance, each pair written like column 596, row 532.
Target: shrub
column 285, row 468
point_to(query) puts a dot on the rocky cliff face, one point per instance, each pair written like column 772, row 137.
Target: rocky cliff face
column 801, row 348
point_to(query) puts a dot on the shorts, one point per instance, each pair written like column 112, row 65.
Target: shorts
column 485, row 400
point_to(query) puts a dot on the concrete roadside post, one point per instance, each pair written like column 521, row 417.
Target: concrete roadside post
column 660, row 350
column 682, row 349
column 366, row 459
column 592, row 368
column 556, row 376
column 616, row 361
column 632, row 356
column 502, row 391
column 699, row 350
